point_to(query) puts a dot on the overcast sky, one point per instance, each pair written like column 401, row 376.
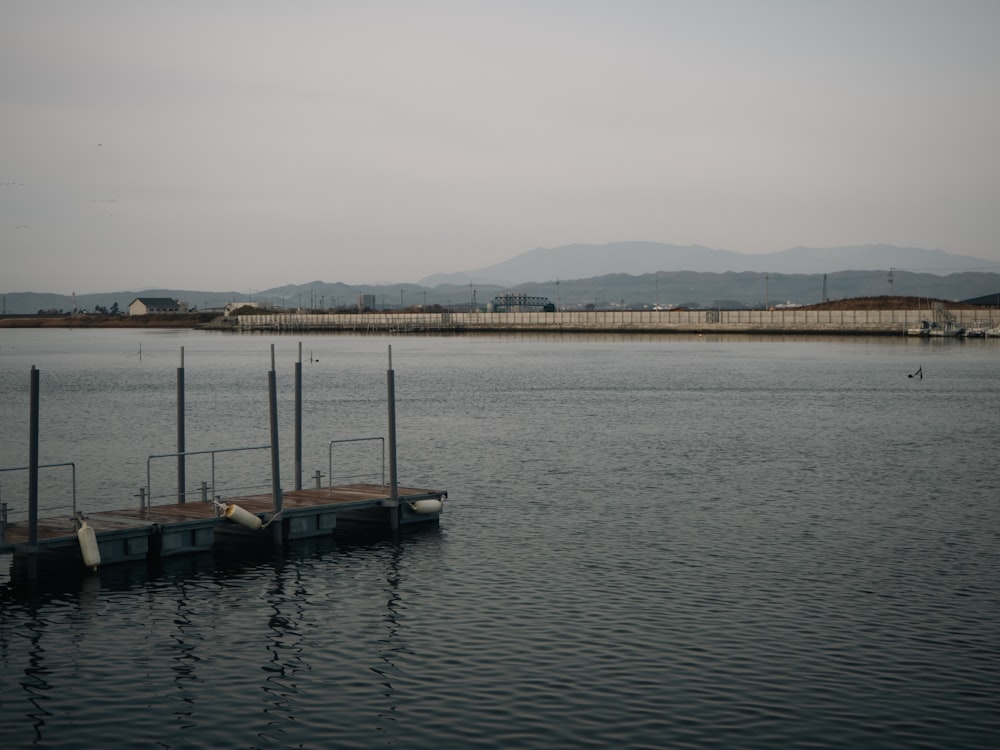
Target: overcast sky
column 237, row 146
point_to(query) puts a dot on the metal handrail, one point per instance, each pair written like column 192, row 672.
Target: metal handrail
column 52, row 466
column 354, row 440
column 149, row 481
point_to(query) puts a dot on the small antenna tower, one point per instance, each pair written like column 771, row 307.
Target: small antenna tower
column 891, row 269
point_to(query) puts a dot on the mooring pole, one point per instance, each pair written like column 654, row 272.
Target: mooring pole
column 33, row 464
column 298, row 421
column 181, row 461
column 394, row 510
column 272, row 388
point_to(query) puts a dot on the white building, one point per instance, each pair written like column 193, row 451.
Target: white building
column 154, row 305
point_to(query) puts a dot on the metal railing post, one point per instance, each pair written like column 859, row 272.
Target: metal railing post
column 52, row 466
column 211, row 453
column 353, row 440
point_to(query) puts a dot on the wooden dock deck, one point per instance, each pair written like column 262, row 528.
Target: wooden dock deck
column 178, row 528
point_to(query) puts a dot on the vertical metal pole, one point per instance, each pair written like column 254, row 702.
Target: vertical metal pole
column 395, row 510
column 33, row 463
column 272, row 388
column 298, row 421
column 181, row 460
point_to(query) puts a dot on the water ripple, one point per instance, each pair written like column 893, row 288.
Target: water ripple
column 644, row 546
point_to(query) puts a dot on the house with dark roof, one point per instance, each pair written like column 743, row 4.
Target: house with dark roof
column 154, row 305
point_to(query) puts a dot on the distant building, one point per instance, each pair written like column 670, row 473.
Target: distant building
column 519, row 302
column 156, row 305
column 989, row 300
column 366, row 302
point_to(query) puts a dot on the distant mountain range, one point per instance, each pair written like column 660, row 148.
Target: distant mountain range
column 585, row 261
column 620, row 274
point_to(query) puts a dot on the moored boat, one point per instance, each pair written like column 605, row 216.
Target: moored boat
column 946, row 329
column 976, row 331
column 922, row 330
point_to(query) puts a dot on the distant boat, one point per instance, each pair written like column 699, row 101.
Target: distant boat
column 947, row 329
column 944, row 324
column 923, row 330
column 933, row 328
column 976, row 331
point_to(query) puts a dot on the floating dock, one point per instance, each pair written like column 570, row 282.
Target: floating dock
column 182, row 528
column 151, row 532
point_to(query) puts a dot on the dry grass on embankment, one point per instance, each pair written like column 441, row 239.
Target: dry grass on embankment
column 106, row 321
column 887, row 303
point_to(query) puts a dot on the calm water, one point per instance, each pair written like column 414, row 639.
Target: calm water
column 649, row 542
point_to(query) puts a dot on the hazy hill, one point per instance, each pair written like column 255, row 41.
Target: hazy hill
column 584, row 261
column 641, row 273
column 609, row 291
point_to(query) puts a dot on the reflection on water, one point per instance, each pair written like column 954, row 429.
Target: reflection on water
column 34, row 683
column 195, row 629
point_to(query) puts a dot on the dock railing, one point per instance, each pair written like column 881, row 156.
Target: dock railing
column 3, row 506
column 208, row 491
column 348, row 477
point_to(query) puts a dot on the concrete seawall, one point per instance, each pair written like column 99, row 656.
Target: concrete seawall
column 846, row 322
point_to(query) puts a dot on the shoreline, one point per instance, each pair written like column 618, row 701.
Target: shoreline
column 95, row 321
column 831, row 323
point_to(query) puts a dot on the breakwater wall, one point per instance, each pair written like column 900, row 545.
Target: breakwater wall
column 885, row 322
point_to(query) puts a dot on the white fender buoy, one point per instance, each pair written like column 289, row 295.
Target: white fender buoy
column 88, row 545
column 243, row 517
column 428, row 506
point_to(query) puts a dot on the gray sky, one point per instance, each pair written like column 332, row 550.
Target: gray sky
column 243, row 145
